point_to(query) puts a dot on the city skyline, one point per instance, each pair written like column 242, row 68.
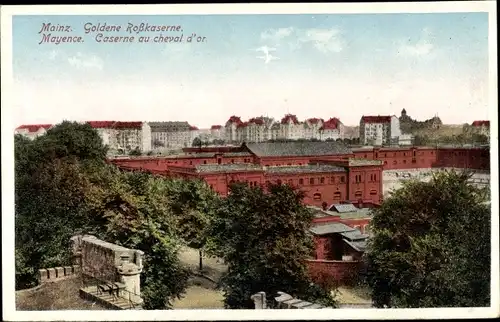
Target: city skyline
column 323, row 66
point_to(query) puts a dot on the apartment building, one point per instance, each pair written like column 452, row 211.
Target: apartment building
column 379, row 130
column 481, row 127
column 124, row 137
column 170, row 134
column 332, row 129
column 32, row 131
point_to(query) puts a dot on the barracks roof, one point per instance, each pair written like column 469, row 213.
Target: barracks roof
column 272, row 149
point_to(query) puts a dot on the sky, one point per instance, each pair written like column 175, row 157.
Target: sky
column 336, row 65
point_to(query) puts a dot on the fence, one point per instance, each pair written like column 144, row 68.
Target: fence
column 102, row 286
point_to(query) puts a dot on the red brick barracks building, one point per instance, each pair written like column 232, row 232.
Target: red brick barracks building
column 328, row 172
column 348, row 181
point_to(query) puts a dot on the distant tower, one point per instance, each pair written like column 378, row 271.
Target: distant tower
column 403, row 113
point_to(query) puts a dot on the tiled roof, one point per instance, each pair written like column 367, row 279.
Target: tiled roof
column 330, row 228
column 234, row 119
column 331, row 124
column 481, row 123
column 256, row 120
column 193, row 128
column 360, row 245
column 127, row 125
column 101, row 124
column 216, row 127
column 169, row 126
column 289, row 118
column 354, row 162
column 376, row 119
column 341, row 208
column 233, row 167
column 354, row 235
column 270, row 149
column 315, row 120
column 310, row 168
column 237, row 154
column 34, row 127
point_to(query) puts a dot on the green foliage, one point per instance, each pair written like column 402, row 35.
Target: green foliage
column 63, row 187
column 431, row 245
column 197, row 142
column 264, row 238
column 135, row 152
column 140, row 217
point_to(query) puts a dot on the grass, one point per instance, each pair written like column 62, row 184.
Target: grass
column 60, row 295
column 198, row 297
column 353, row 295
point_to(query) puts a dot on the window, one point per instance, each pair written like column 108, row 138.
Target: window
column 373, row 192
column 204, row 161
column 374, row 177
column 404, row 161
column 358, row 194
column 342, row 179
column 190, row 162
column 322, row 180
column 219, row 161
column 311, row 181
column 337, row 195
column 278, row 181
column 394, row 162
column 232, row 160
column 290, row 182
column 332, row 180
column 301, row 181
column 268, row 182
column 317, row 196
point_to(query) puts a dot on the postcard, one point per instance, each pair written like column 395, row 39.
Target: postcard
column 239, row 161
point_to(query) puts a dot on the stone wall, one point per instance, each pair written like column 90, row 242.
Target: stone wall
column 54, row 274
column 110, row 263
column 283, row 301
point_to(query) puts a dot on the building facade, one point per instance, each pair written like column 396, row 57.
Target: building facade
column 124, row 137
column 32, row 131
column 481, row 127
column 379, row 130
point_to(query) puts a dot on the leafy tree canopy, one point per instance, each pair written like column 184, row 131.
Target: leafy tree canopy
column 431, row 245
column 264, row 238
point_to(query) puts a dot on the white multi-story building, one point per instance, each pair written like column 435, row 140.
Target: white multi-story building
column 481, row 127
column 124, row 136
column 170, row 135
column 332, row 129
column 217, row 132
column 231, row 128
column 379, row 130
column 32, row 131
column 105, row 130
column 129, row 136
column 312, row 128
column 290, row 128
column 261, row 129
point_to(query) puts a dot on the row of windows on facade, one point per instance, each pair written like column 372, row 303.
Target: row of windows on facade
column 337, row 195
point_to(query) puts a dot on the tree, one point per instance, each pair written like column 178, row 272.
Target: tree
column 135, row 152
column 197, row 142
column 264, row 238
column 140, row 216
column 418, row 257
column 193, row 204
column 65, row 188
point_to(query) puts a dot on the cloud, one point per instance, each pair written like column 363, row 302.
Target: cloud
column 85, row 61
column 268, row 57
column 423, row 47
column 325, row 40
column 275, row 35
